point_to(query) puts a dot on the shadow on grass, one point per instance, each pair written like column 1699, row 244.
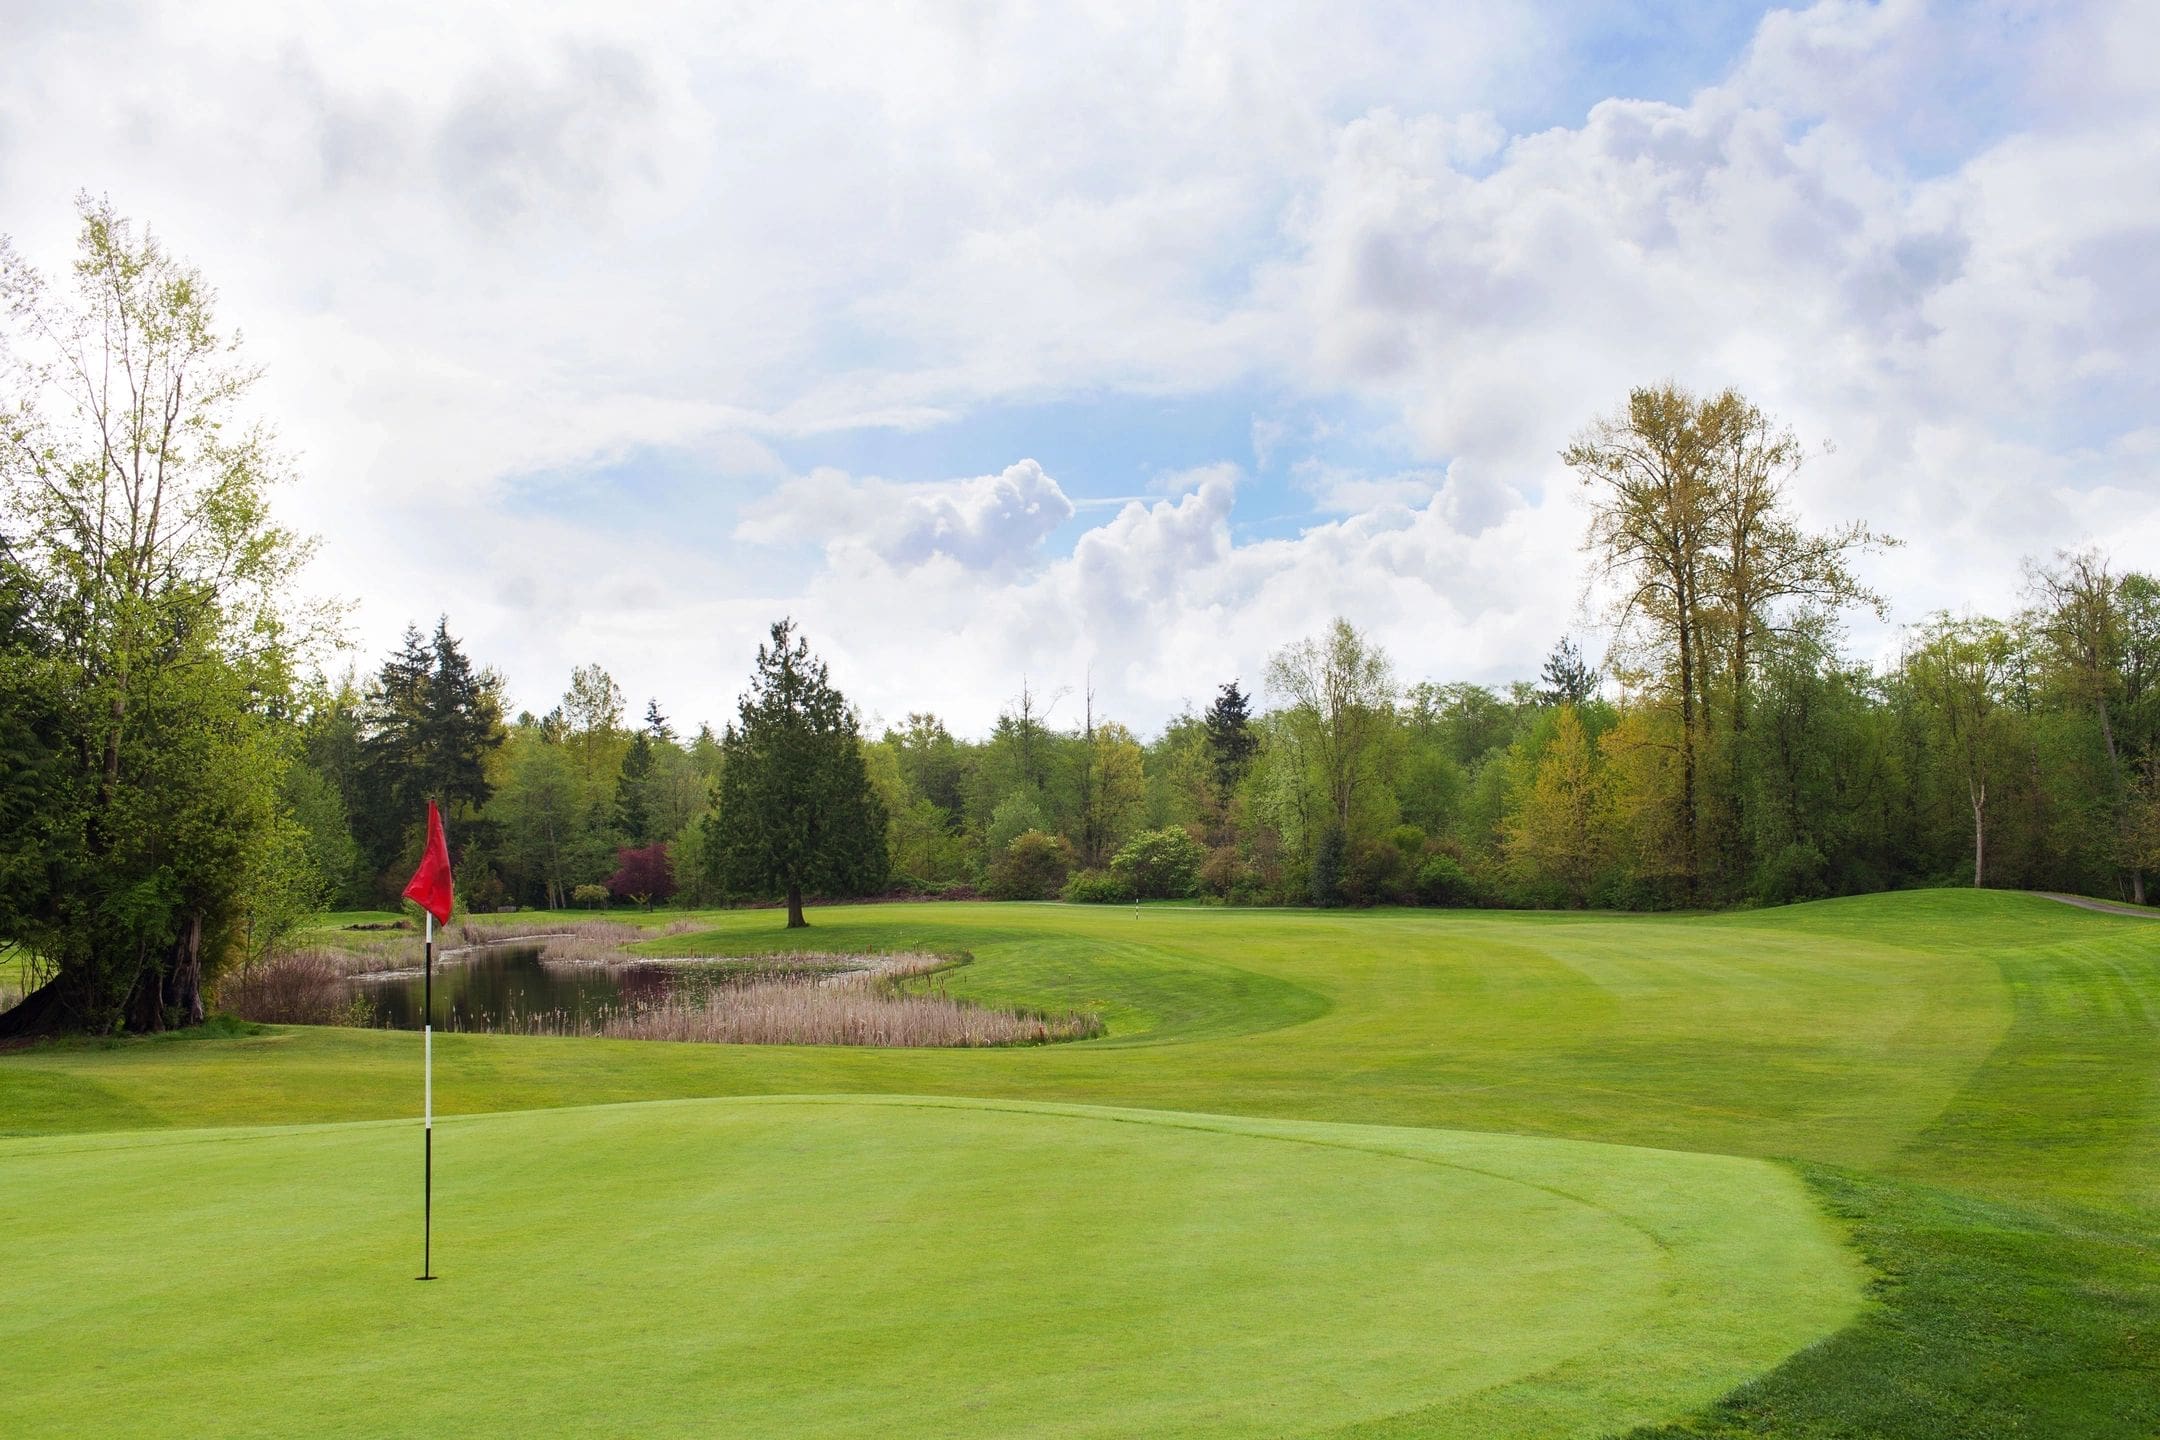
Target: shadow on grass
column 1986, row 1320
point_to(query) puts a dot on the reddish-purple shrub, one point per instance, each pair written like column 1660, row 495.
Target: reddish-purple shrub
column 643, row 874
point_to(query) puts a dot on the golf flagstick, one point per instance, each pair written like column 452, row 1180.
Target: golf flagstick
column 430, row 889
column 427, row 1108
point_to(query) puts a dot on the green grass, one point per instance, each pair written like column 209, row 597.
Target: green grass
column 978, row 1269
column 1970, row 1082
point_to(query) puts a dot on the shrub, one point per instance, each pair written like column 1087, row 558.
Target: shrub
column 1033, row 867
column 1097, row 887
column 1441, row 880
column 591, row 896
column 1376, row 872
column 294, row 987
column 1160, row 864
column 1223, row 872
column 642, row 874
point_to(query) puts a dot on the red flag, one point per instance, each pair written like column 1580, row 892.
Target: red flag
column 430, row 885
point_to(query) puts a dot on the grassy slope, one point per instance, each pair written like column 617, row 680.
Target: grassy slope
column 1972, row 1077
column 872, row 1267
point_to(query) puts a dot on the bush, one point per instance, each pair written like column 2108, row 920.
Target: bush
column 1441, row 880
column 590, row 896
column 1097, row 887
column 295, row 987
column 1377, row 872
column 1796, row 872
column 643, row 875
column 1222, row 873
column 1160, row 864
column 1033, row 867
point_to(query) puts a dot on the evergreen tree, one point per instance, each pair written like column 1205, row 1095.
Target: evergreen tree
column 656, row 724
column 1569, row 679
column 1232, row 742
column 428, row 728
column 797, row 811
column 461, row 726
column 633, row 809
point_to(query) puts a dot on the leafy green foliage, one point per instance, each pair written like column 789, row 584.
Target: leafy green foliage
column 797, row 813
column 1160, row 864
column 1033, row 867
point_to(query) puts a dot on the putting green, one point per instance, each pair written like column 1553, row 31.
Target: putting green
column 868, row 1266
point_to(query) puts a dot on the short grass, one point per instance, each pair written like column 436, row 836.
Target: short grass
column 1971, row 1082
column 871, row 1268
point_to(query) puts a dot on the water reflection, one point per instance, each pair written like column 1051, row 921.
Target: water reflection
column 505, row 986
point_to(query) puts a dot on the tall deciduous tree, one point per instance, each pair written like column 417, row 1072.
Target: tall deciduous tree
column 153, row 632
column 1958, row 670
column 2079, row 618
column 797, row 811
column 1341, row 690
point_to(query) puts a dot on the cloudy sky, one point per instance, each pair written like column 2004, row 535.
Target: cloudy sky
column 998, row 339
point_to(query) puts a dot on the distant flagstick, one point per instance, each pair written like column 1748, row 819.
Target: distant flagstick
column 429, row 889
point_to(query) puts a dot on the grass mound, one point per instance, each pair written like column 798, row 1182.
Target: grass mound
column 881, row 1267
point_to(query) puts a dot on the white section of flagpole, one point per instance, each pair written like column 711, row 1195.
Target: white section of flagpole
column 427, row 1106
column 427, row 1035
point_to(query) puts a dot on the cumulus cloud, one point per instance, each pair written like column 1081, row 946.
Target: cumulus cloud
column 475, row 246
column 991, row 523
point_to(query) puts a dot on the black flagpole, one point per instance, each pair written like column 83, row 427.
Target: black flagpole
column 427, row 1101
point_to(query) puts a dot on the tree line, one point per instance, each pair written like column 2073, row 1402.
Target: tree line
column 180, row 786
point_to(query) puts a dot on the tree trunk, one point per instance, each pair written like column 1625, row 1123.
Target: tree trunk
column 169, row 994
column 1977, row 790
column 795, row 919
column 44, row 1011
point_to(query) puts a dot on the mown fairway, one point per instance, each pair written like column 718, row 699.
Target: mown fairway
column 1969, row 1084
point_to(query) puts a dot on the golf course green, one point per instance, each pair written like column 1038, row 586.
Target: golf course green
column 1884, row 1166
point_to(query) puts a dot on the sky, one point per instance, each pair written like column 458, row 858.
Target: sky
column 1116, row 344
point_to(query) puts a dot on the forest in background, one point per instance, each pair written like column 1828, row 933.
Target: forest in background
column 2018, row 752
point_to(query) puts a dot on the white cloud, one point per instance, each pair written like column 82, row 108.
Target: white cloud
column 493, row 242
column 991, row 523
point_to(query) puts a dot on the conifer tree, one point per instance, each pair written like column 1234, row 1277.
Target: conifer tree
column 797, row 812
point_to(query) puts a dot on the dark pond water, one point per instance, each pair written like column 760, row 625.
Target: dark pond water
column 506, row 986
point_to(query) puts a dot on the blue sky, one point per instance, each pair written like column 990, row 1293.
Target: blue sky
column 1118, row 344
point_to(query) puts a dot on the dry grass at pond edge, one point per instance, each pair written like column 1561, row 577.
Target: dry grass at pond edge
column 296, row 987
column 864, row 1007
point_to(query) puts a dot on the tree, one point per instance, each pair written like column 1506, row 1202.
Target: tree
column 2079, row 616
column 1340, row 688
column 1690, row 525
column 1958, row 671
column 1231, row 741
column 149, row 665
column 1653, row 527
column 1569, row 679
column 1558, row 833
column 796, row 808
column 428, row 729
column 632, row 803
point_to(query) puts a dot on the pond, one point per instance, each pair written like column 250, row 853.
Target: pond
column 506, row 986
